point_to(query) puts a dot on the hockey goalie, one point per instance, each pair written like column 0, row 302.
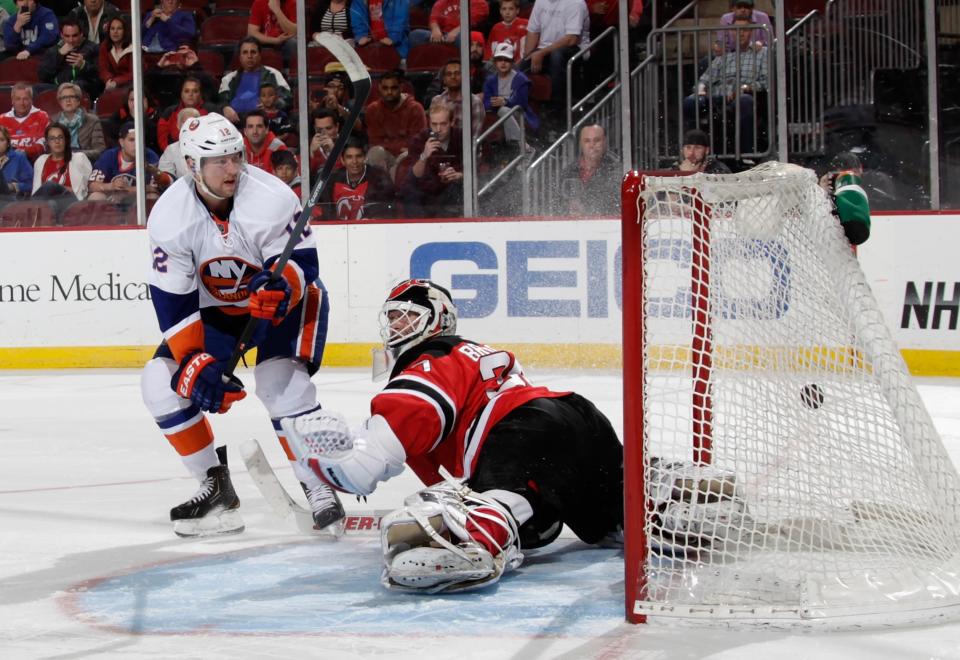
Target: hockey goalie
column 506, row 463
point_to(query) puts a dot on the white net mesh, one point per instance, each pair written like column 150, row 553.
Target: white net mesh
column 792, row 471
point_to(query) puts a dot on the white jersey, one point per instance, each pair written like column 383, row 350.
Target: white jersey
column 200, row 261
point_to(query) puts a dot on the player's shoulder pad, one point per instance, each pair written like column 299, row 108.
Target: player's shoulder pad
column 175, row 210
column 436, row 348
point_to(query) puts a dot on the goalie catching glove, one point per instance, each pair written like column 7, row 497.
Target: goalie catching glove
column 449, row 539
column 272, row 299
column 201, row 379
column 352, row 461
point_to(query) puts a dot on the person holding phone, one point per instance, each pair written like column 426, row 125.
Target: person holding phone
column 75, row 59
column 435, row 180
column 34, row 28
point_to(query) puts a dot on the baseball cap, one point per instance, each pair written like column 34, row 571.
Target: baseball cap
column 503, row 51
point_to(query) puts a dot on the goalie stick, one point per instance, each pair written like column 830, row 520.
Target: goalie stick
column 360, row 78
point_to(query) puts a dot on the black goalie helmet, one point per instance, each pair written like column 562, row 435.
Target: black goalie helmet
column 415, row 311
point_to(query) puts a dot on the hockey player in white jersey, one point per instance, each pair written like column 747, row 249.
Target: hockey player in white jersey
column 214, row 236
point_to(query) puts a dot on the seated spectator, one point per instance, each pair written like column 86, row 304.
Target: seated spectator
column 85, row 130
column 114, row 175
column 555, row 32
column 591, row 184
column 506, row 89
column 358, row 190
column 274, row 23
column 278, row 121
column 124, row 114
column 478, row 69
column 445, row 22
column 511, row 30
column 434, row 185
column 240, row 89
column 451, row 95
column 743, row 9
column 16, row 172
column 260, row 141
column 325, row 125
column 731, row 81
column 385, row 22
column 171, row 165
column 332, row 16
column 61, row 174
column 191, row 96
column 74, row 59
column 606, row 13
column 391, row 121
column 116, row 54
column 25, row 123
column 167, row 27
column 337, row 91
column 34, row 29
column 93, row 17
column 286, row 168
column 695, row 155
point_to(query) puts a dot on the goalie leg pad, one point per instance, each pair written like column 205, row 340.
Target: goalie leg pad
column 447, row 538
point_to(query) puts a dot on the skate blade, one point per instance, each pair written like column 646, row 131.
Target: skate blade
column 332, row 531
column 213, row 524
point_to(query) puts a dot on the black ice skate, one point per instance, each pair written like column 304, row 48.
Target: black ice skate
column 324, row 504
column 213, row 508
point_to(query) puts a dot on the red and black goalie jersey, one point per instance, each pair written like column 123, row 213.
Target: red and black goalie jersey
column 347, row 199
column 443, row 398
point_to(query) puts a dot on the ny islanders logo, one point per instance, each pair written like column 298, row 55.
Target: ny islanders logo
column 226, row 278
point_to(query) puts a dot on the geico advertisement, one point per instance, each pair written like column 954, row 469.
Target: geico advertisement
column 519, row 282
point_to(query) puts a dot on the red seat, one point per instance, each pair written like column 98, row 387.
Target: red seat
column 430, row 57
column 317, row 58
column 47, row 101
column 96, row 212
column 541, row 87
column 27, row 214
column 111, row 101
column 223, row 30
column 13, row 70
column 379, row 58
column 212, row 62
column 233, row 5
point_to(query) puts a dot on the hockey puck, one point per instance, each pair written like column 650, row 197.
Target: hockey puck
column 812, row 396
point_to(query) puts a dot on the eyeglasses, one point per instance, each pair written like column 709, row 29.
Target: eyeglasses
column 55, row 138
column 67, row 97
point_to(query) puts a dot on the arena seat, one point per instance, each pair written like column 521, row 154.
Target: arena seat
column 13, row 70
column 419, row 19
column 428, row 58
column 110, row 101
column 379, row 58
column 96, row 212
column 32, row 213
column 232, row 6
column 317, row 58
column 223, row 30
column 211, row 60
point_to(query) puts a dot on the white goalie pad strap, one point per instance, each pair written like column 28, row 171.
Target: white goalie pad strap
column 427, row 548
column 353, row 461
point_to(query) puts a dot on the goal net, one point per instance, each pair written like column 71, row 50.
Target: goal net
column 780, row 466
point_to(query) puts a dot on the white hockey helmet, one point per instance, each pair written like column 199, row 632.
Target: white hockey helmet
column 427, row 309
column 209, row 136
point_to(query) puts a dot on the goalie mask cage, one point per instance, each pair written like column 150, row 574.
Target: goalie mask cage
column 780, row 466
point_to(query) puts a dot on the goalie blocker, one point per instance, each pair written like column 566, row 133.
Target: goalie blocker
column 530, row 459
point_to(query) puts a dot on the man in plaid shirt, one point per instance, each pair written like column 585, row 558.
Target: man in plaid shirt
column 732, row 80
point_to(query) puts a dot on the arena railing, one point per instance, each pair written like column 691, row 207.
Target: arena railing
column 515, row 164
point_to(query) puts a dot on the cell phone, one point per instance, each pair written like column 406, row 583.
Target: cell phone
column 24, row 9
column 433, row 135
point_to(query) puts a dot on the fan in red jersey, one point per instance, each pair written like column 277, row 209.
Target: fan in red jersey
column 506, row 463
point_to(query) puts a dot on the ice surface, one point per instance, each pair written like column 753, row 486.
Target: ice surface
column 89, row 566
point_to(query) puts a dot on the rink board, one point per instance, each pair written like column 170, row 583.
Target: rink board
column 548, row 288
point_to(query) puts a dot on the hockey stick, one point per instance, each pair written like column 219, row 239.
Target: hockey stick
column 277, row 496
column 360, row 78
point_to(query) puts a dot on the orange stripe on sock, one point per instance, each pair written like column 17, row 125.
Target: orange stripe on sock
column 286, row 448
column 308, row 335
column 192, row 439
